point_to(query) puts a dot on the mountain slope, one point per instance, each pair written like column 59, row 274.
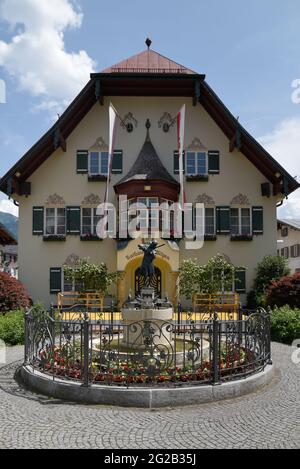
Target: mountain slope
column 10, row 222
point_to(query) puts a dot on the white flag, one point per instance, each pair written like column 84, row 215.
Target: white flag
column 112, row 136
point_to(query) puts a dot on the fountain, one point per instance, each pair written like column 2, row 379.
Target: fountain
column 147, row 311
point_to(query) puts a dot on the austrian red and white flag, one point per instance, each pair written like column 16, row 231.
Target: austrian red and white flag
column 112, row 137
column 180, row 134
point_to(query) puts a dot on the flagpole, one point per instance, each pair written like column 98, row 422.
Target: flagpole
column 180, row 134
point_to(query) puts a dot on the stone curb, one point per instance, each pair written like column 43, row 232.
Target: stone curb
column 142, row 397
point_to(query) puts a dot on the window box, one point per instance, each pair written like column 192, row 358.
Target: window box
column 90, row 237
column 197, row 178
column 97, row 177
column 54, row 238
column 241, row 237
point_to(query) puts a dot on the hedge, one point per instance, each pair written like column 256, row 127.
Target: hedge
column 285, row 324
column 12, row 328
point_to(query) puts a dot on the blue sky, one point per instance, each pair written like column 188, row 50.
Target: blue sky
column 249, row 53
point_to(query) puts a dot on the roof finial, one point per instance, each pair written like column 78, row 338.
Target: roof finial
column 148, row 125
column 148, row 43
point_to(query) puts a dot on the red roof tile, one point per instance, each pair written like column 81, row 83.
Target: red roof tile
column 148, row 61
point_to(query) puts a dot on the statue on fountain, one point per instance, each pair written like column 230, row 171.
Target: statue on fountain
column 147, row 267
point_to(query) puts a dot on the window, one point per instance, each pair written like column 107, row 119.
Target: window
column 55, row 221
column 156, row 215
column 98, row 163
column 89, row 221
column 196, row 163
column 167, row 218
column 284, row 231
column 295, row 250
column 149, row 218
column 71, row 285
column 240, row 221
column 285, row 252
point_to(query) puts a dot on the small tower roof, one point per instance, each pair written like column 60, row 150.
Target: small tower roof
column 148, row 165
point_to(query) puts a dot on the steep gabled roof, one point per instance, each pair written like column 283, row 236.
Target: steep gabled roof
column 148, row 61
column 148, row 74
column 148, row 166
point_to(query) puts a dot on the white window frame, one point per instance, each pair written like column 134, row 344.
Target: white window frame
column 240, row 233
column 148, row 218
column 93, row 226
column 99, row 153
column 55, row 221
column 73, row 281
column 197, row 172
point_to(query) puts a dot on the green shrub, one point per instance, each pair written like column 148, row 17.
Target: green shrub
column 270, row 268
column 212, row 277
column 285, row 324
column 285, row 291
column 12, row 328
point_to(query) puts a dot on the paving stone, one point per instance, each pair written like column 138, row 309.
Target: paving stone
column 268, row 418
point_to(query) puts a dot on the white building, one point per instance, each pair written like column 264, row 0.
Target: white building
column 289, row 242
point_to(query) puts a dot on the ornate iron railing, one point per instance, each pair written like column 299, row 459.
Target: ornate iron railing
column 97, row 351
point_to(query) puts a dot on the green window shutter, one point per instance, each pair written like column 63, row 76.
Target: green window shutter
column 82, row 161
column 223, row 220
column 38, row 221
column 213, row 162
column 55, row 280
column 176, row 162
column 240, row 281
column 117, row 162
column 257, row 220
column 73, row 220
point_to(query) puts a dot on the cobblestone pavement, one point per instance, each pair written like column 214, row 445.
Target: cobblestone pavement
column 267, row 419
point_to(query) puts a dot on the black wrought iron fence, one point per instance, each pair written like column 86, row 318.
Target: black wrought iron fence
column 147, row 352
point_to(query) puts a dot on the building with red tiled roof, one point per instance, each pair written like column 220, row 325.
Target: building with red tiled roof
column 62, row 179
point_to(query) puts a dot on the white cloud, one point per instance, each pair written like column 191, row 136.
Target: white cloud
column 9, row 207
column 284, row 145
column 36, row 55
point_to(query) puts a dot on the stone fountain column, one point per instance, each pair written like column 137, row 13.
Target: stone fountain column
column 147, row 319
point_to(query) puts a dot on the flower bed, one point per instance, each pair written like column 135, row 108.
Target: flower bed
column 66, row 362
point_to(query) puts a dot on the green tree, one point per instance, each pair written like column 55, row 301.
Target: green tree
column 269, row 269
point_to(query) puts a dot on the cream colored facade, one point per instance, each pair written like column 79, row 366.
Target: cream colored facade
column 288, row 244
column 238, row 179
